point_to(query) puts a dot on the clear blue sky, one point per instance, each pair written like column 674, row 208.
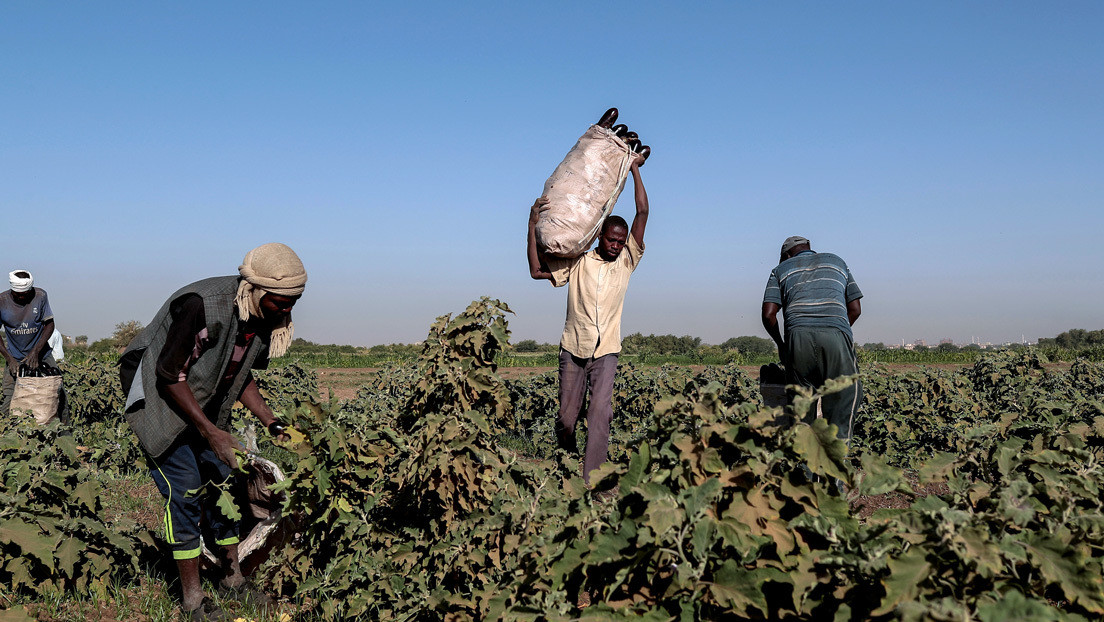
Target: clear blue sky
column 951, row 152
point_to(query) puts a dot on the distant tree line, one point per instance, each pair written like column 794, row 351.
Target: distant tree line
column 744, row 350
column 668, row 345
column 634, row 344
column 943, row 347
column 1074, row 339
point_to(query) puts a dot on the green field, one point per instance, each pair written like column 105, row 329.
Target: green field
column 435, row 494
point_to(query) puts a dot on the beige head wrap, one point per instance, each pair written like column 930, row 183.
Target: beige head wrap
column 270, row 268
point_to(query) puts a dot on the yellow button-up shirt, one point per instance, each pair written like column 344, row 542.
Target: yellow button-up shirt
column 595, row 297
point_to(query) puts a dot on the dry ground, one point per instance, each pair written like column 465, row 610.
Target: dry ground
column 346, row 381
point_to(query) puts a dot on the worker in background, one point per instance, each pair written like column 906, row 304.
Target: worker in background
column 819, row 301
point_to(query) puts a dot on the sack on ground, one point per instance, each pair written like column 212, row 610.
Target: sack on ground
column 39, row 397
column 582, row 191
column 261, row 516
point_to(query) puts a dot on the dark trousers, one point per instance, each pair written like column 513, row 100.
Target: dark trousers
column 576, row 376
column 815, row 355
column 179, row 474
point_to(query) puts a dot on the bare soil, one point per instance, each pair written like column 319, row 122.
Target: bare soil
column 346, row 381
column 866, row 505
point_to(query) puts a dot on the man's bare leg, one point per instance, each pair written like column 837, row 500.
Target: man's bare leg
column 189, row 582
column 231, row 566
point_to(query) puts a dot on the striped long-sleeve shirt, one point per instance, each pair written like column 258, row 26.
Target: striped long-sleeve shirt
column 813, row 290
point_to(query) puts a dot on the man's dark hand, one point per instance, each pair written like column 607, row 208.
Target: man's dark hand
column 223, row 444
column 278, row 431
column 539, row 206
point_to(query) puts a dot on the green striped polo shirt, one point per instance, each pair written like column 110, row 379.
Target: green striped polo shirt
column 813, row 290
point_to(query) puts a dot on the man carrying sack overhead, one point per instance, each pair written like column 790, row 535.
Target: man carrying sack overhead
column 597, row 281
column 28, row 324
column 182, row 375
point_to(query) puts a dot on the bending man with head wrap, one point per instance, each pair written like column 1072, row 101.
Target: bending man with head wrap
column 182, row 375
column 28, row 325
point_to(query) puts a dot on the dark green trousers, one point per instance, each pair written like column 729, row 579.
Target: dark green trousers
column 815, row 355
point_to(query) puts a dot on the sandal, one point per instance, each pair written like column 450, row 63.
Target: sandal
column 246, row 592
column 207, row 611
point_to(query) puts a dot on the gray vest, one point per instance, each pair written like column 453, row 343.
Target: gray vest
column 156, row 420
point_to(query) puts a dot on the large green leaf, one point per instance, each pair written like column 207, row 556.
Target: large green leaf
column 736, row 587
column 29, row 538
column 905, row 580
column 638, row 466
column 878, row 478
column 822, row 450
column 1068, row 571
column 1013, row 605
column 69, row 553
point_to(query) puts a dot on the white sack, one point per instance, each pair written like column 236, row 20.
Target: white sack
column 37, row 396
column 582, row 191
column 261, row 504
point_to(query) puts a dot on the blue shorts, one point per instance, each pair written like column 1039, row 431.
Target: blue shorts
column 187, row 465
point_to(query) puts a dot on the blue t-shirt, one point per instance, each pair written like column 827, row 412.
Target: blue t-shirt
column 23, row 323
column 813, row 290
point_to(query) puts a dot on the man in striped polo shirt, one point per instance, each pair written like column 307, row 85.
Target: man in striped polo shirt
column 819, row 301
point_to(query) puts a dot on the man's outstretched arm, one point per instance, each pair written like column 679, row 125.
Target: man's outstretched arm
column 538, row 269
column 641, row 220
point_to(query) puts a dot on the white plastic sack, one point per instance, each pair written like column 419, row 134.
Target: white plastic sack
column 57, row 346
column 37, row 396
column 582, row 191
column 261, row 508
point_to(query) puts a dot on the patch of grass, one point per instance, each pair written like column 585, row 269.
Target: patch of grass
column 148, row 600
column 152, row 599
column 522, row 445
column 132, row 496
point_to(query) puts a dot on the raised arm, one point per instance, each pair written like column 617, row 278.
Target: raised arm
column 641, row 219
column 538, row 268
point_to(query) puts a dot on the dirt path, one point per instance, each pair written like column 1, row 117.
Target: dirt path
column 346, row 381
